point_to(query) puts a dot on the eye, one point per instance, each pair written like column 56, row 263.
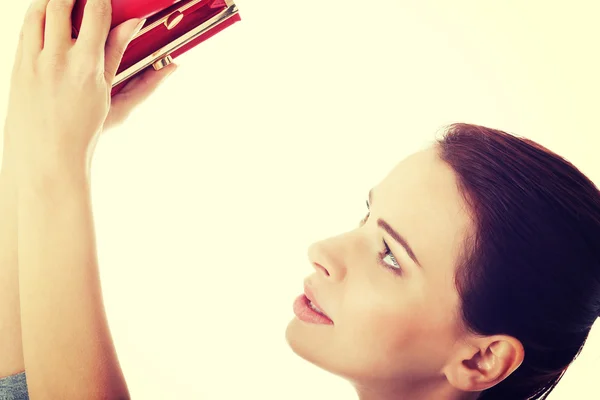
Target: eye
column 386, row 257
column 387, row 260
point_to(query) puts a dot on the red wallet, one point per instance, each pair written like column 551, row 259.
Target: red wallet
column 172, row 28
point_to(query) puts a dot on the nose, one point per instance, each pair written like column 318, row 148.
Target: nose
column 329, row 257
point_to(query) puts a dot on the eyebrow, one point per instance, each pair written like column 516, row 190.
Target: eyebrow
column 395, row 235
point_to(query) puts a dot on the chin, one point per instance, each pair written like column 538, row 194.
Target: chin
column 318, row 345
column 315, row 344
column 298, row 340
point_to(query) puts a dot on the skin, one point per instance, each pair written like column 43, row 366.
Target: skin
column 134, row 94
column 393, row 336
column 123, row 104
column 49, row 80
column 398, row 335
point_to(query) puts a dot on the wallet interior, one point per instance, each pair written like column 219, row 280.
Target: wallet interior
column 174, row 30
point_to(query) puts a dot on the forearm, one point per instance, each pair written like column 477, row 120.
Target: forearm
column 65, row 333
column 11, row 361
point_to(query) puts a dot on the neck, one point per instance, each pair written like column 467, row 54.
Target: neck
column 429, row 390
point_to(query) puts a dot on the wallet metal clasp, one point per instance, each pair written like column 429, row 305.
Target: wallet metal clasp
column 174, row 19
column 162, row 57
column 163, row 62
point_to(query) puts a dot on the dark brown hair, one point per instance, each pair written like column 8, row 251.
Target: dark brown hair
column 531, row 269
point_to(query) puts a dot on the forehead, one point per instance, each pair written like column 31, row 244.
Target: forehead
column 421, row 200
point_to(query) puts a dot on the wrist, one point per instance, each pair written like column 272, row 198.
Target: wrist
column 50, row 175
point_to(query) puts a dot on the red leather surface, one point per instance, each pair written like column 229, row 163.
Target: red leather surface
column 123, row 10
column 160, row 36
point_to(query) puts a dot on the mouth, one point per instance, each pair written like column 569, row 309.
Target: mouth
column 312, row 303
column 307, row 311
column 317, row 309
column 313, row 307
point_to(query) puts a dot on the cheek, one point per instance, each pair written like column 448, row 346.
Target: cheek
column 379, row 326
column 379, row 343
column 392, row 338
column 388, row 330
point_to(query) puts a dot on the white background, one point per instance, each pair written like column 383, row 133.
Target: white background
column 269, row 137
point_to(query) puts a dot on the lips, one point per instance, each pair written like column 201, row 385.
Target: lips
column 311, row 297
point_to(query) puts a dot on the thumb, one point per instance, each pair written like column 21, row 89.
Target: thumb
column 116, row 44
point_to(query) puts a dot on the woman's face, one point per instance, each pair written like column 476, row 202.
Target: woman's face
column 394, row 320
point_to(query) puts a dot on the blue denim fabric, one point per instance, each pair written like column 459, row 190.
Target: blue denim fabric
column 14, row 387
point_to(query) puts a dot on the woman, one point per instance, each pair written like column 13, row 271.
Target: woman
column 474, row 275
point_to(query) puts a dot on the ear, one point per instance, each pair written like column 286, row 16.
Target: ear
column 484, row 362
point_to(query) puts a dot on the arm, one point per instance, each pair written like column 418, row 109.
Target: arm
column 59, row 101
column 11, row 347
column 66, row 337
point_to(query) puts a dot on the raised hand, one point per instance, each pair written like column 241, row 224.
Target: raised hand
column 60, row 87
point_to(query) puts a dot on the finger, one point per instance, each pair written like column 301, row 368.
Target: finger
column 58, row 25
column 117, row 42
column 135, row 92
column 33, row 28
column 95, row 26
